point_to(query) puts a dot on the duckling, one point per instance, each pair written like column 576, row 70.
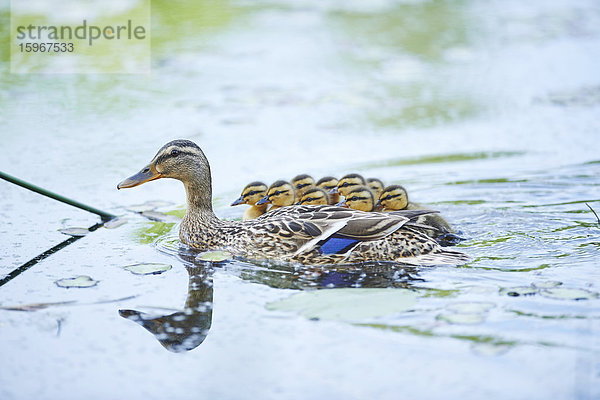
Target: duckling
column 376, row 185
column 251, row 194
column 280, row 194
column 329, row 183
column 302, row 183
column 314, row 196
column 395, row 197
column 314, row 235
column 359, row 198
column 347, row 183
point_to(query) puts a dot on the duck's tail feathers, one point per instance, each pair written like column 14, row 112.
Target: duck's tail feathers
column 412, row 214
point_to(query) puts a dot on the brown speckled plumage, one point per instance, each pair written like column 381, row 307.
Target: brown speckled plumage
column 303, row 234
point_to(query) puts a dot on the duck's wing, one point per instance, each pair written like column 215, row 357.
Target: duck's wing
column 333, row 229
column 416, row 219
column 318, row 219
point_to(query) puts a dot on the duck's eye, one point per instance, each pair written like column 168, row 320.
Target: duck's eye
column 310, row 199
column 277, row 193
column 388, row 197
column 345, row 184
column 354, row 198
column 174, row 153
column 251, row 193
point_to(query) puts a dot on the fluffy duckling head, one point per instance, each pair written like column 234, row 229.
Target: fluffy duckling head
column 280, row 194
column 314, row 196
column 393, row 198
column 348, row 183
column 359, row 198
column 329, row 185
column 302, row 183
column 251, row 194
column 376, row 185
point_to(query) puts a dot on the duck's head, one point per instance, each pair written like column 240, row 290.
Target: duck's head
column 327, row 183
column 302, row 183
column 314, row 196
column 179, row 159
column 376, row 185
column 394, row 197
column 359, row 198
column 349, row 182
column 251, row 194
column 280, row 193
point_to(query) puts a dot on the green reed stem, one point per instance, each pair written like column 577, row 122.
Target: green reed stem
column 104, row 215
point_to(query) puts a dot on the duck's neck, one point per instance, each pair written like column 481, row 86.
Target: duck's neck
column 199, row 196
column 262, row 208
column 200, row 227
column 199, row 203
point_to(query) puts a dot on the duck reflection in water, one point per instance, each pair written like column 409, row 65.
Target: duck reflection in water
column 365, row 275
column 186, row 329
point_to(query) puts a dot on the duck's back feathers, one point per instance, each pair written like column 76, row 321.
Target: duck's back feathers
column 326, row 234
column 350, row 223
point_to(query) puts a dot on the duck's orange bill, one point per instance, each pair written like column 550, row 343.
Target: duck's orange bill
column 145, row 175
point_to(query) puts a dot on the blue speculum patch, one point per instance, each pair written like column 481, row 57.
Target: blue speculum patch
column 337, row 245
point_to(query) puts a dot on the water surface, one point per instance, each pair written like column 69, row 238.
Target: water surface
column 486, row 111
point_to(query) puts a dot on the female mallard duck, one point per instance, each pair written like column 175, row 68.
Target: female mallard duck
column 251, row 194
column 359, row 198
column 376, row 185
column 302, row 183
column 280, row 194
column 329, row 183
column 395, row 198
column 314, row 197
column 304, row 234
